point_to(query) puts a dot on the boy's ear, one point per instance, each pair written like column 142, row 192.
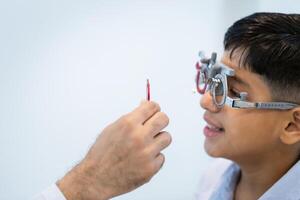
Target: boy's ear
column 291, row 132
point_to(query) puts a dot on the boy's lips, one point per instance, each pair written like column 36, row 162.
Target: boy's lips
column 212, row 129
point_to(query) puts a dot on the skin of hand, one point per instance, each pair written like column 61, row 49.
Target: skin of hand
column 125, row 155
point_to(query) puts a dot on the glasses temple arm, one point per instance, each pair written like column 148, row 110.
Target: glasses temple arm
column 237, row 103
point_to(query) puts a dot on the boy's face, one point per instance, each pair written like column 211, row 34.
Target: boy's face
column 245, row 133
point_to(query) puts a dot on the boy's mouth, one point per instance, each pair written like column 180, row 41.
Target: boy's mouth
column 212, row 129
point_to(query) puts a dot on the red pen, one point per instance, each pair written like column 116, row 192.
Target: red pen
column 148, row 90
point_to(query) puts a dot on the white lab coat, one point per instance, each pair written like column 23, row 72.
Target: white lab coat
column 51, row 193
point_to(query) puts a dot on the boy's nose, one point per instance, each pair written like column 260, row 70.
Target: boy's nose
column 206, row 102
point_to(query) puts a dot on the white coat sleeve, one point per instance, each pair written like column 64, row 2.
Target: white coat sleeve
column 51, row 193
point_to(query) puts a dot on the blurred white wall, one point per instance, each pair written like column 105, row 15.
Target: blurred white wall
column 68, row 68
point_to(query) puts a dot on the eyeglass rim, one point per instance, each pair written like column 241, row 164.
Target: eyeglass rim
column 223, row 80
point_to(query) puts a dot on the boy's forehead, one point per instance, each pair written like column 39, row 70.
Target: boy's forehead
column 245, row 77
column 242, row 75
column 232, row 62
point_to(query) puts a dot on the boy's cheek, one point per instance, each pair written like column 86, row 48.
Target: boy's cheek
column 247, row 133
column 251, row 135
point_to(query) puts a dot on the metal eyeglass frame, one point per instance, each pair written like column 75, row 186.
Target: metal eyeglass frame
column 212, row 73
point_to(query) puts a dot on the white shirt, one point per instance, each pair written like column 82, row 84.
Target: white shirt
column 219, row 183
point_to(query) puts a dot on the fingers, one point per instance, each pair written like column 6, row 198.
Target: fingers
column 160, row 142
column 145, row 110
column 158, row 162
column 156, row 123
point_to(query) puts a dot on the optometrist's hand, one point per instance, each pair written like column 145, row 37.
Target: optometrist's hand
column 125, row 156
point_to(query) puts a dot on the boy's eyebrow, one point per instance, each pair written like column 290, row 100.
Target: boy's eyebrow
column 235, row 77
column 239, row 80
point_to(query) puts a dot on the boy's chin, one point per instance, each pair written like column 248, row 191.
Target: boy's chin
column 214, row 151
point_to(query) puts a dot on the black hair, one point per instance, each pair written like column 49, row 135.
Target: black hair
column 270, row 46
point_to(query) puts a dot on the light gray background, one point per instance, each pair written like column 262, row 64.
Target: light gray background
column 68, row 68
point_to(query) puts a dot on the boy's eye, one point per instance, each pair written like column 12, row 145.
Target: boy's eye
column 234, row 93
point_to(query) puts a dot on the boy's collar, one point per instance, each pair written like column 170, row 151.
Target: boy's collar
column 287, row 187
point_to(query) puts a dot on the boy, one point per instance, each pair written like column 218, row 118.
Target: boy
column 252, row 111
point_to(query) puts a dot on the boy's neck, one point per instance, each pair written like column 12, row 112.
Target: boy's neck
column 257, row 177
